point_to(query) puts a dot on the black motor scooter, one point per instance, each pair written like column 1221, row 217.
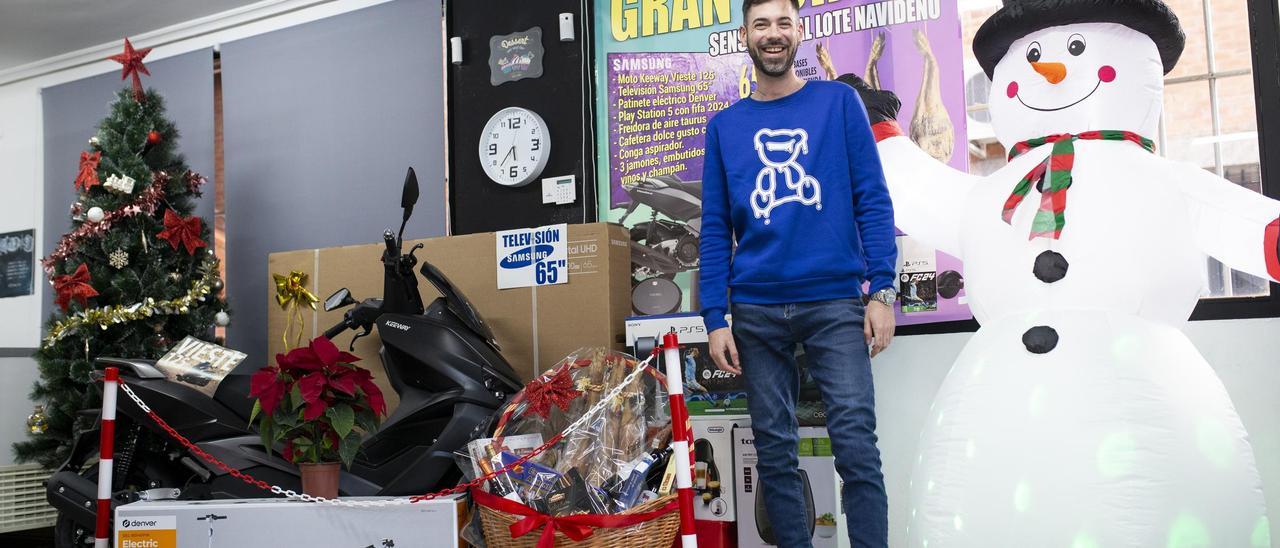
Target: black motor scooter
column 441, row 360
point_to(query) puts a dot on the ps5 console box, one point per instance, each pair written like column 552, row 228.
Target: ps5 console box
column 708, row 391
column 273, row 523
column 824, row 519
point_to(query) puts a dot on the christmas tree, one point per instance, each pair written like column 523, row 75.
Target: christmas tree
column 136, row 273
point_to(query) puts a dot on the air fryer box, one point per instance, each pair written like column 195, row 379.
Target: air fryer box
column 817, row 468
column 269, row 523
column 710, row 391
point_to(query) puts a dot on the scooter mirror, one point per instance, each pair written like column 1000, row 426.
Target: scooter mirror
column 409, row 196
column 338, row 299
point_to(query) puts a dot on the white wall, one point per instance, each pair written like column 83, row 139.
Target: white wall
column 1243, row 352
column 20, row 209
column 21, row 155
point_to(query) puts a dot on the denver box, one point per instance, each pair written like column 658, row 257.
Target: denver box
column 535, row 327
column 275, row 523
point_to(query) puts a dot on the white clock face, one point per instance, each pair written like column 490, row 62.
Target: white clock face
column 514, row 147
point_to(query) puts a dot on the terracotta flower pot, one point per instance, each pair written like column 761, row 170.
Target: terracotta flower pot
column 320, row 480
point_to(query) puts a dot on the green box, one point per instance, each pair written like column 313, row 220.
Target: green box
column 806, row 447
column 822, row 447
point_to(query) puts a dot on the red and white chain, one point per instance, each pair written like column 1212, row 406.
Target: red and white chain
column 275, row 489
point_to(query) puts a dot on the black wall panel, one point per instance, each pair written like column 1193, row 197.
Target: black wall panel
column 476, row 203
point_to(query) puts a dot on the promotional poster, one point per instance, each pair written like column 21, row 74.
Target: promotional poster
column 664, row 69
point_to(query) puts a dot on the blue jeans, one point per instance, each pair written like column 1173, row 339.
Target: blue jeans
column 831, row 333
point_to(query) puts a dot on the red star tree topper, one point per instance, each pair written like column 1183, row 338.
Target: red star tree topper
column 132, row 61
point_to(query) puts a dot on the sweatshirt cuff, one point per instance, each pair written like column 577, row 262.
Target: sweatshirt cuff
column 877, row 283
column 713, row 319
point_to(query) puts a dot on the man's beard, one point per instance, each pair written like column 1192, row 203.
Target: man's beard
column 773, row 69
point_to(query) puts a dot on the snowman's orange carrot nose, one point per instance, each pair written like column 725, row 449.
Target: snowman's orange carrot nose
column 1053, row 72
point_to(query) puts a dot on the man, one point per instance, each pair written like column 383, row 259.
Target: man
column 792, row 176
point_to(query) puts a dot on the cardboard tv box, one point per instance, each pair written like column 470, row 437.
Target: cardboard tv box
column 535, row 327
column 824, row 512
column 273, row 523
column 710, row 391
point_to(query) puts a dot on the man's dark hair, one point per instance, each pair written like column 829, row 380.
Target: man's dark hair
column 747, row 5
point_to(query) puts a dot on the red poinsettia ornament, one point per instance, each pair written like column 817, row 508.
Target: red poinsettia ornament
column 182, row 231
column 313, row 401
column 74, row 286
column 88, row 175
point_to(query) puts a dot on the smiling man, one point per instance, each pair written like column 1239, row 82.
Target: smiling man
column 792, row 177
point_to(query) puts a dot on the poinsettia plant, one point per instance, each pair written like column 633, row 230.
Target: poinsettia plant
column 317, row 402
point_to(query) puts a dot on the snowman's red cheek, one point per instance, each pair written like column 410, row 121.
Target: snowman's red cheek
column 1013, row 90
column 1106, row 73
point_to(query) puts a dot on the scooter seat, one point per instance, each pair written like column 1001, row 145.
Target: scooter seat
column 233, row 393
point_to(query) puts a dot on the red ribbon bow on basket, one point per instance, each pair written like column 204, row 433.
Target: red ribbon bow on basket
column 74, row 286
column 558, row 390
column 577, row 527
column 182, row 231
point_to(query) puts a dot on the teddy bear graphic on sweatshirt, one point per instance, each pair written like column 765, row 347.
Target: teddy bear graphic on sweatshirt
column 779, row 150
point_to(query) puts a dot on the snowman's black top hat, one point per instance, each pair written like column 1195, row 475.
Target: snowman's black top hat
column 1019, row 18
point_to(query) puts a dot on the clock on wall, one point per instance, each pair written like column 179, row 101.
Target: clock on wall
column 514, row 146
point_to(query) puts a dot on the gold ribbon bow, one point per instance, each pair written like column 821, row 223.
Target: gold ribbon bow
column 292, row 294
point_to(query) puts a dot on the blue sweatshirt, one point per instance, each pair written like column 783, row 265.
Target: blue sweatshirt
column 797, row 183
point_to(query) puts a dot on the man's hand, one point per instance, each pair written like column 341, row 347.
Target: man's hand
column 878, row 327
column 725, row 353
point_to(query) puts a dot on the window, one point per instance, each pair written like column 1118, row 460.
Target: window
column 1217, row 115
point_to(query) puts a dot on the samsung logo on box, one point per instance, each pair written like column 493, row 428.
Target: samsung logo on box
column 526, row 256
column 715, row 430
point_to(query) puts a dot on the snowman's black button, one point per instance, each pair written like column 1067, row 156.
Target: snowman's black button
column 1050, row 267
column 1040, row 339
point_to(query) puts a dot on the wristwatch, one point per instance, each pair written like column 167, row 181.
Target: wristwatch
column 886, row 296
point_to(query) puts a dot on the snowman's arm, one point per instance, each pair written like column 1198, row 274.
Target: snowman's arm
column 1237, row 226
column 928, row 196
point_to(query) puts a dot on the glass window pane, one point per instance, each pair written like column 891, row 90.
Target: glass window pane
column 985, row 155
column 1231, row 35
column 1194, row 58
column 1188, row 124
column 1239, row 116
column 1189, row 137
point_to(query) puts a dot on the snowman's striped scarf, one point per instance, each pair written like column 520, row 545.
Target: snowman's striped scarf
column 1050, row 218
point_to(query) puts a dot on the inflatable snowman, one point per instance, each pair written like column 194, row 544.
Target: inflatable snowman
column 1080, row 415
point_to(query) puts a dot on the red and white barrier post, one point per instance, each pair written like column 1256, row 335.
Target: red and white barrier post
column 681, row 439
column 106, row 445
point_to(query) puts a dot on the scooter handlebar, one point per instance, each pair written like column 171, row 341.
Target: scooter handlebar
column 336, row 330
